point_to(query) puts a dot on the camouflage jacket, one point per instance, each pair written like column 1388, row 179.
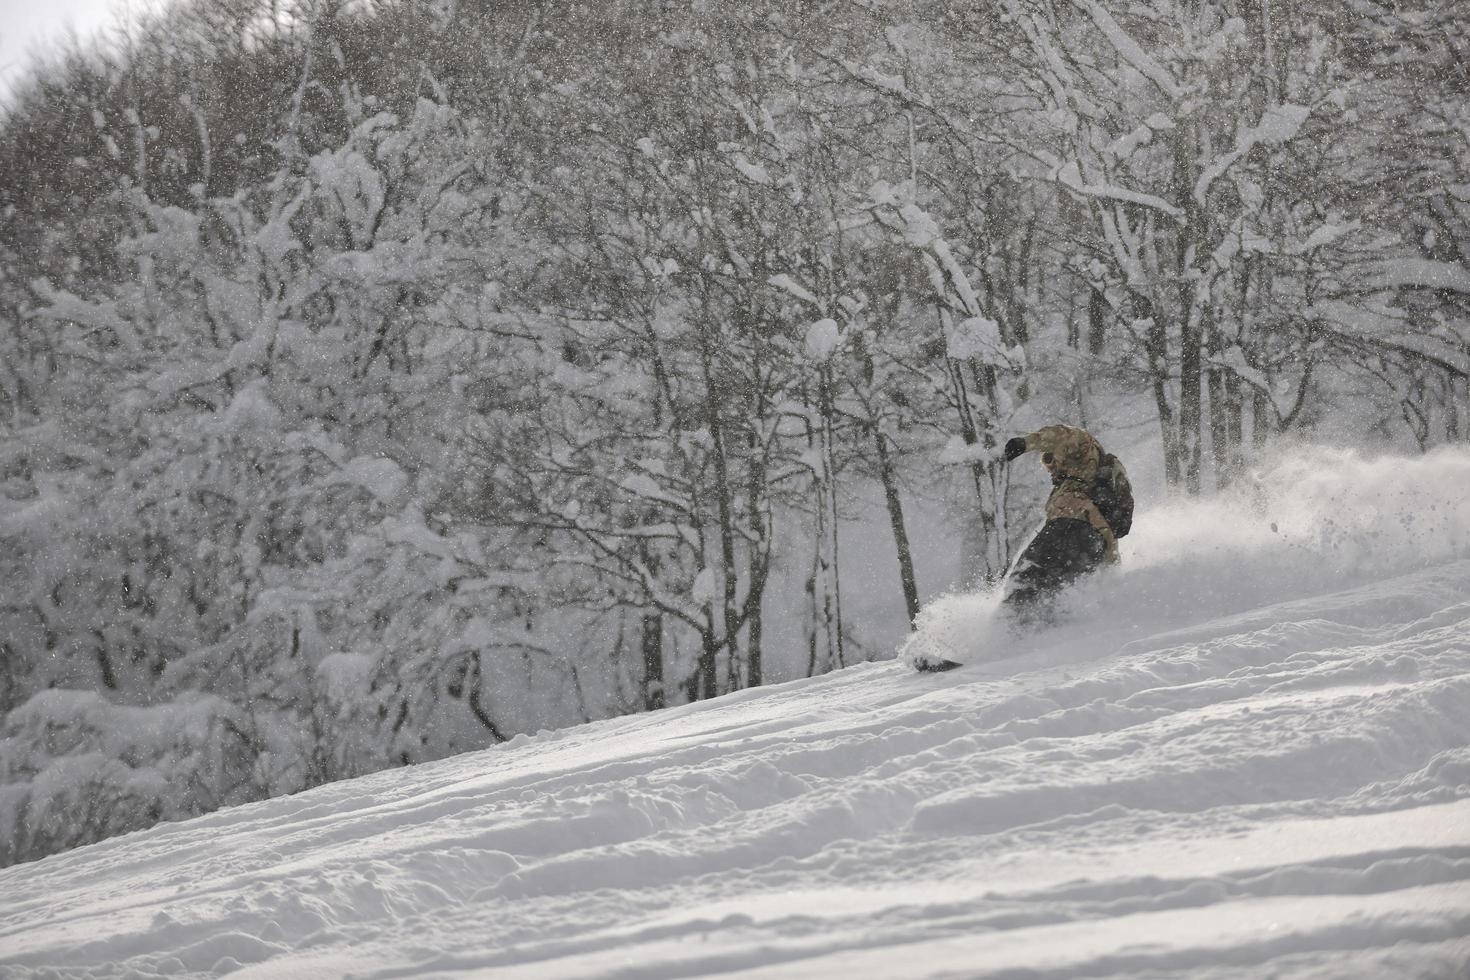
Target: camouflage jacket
column 1075, row 456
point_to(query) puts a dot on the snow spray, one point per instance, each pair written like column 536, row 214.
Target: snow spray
column 1311, row 520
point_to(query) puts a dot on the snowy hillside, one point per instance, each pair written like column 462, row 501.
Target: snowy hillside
column 1249, row 755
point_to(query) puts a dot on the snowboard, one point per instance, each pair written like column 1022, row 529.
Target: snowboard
column 934, row 666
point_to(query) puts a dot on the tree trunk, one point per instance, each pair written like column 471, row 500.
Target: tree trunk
column 758, row 551
column 1234, row 422
column 976, row 560
column 1455, row 403
column 754, row 634
column 1097, row 321
column 1074, row 329
column 998, row 552
column 895, row 519
column 477, row 705
column 724, row 509
column 833, row 599
column 653, row 661
column 812, row 615
column 1219, row 430
column 104, row 663
column 757, row 565
column 1219, row 411
column 1191, row 341
column 709, row 650
column 1264, row 418
column 1190, row 404
column 1156, row 349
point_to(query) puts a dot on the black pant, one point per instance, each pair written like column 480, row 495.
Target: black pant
column 1063, row 551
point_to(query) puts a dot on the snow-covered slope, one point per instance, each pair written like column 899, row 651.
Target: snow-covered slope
column 1252, row 789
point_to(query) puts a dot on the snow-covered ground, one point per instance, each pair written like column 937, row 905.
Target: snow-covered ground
column 1248, row 755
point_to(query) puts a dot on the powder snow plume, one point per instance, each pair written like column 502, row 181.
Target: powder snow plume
column 1312, row 520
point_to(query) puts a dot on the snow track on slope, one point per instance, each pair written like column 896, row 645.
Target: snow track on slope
column 1284, row 791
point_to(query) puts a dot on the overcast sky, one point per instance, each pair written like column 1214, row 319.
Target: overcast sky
column 26, row 25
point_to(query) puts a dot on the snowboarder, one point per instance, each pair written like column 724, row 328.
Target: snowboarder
column 1089, row 509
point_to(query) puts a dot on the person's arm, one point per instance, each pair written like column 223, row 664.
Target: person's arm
column 1076, row 452
column 1049, row 439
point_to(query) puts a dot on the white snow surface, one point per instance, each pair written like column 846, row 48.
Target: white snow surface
column 1246, row 755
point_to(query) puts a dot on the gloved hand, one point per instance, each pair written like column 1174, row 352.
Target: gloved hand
column 1015, row 447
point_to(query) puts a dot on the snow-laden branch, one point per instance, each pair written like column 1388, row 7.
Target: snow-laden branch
column 889, row 84
column 1383, row 328
column 1420, row 273
column 245, row 355
column 1070, row 177
column 1057, row 69
column 66, row 307
column 753, row 172
column 1278, row 124
column 1129, row 49
column 790, row 285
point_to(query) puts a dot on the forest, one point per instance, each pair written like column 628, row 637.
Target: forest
column 381, row 379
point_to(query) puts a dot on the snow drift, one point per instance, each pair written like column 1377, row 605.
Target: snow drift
column 1263, row 769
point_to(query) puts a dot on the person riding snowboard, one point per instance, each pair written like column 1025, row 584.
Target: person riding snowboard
column 1089, row 509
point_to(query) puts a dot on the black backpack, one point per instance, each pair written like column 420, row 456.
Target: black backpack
column 1113, row 495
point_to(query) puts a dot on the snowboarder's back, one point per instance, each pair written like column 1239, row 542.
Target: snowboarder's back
column 1073, row 458
column 1090, row 495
